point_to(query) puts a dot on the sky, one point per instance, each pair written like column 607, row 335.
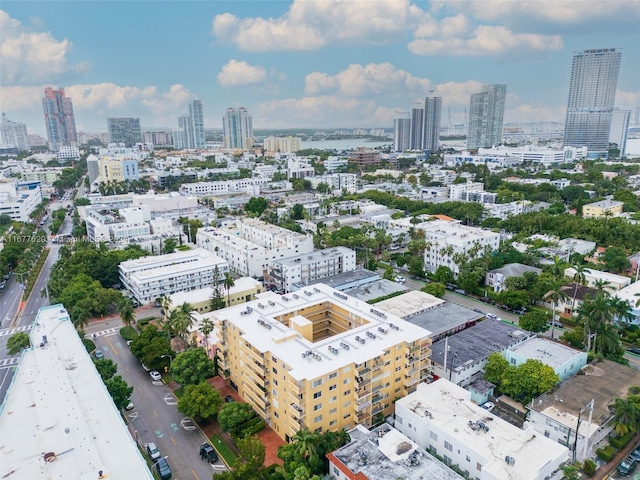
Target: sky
column 303, row 63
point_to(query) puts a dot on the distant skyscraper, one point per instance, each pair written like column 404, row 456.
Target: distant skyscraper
column 14, row 134
column 636, row 116
column 196, row 116
column 592, row 93
column 124, row 130
column 619, row 129
column 401, row 134
column 486, row 112
column 431, row 128
column 58, row 118
column 417, row 124
column 237, row 128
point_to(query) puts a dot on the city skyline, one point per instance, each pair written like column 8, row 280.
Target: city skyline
column 303, row 64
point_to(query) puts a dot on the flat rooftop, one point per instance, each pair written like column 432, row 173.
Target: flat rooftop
column 449, row 407
column 346, row 279
column 384, row 452
column 602, row 381
column 203, row 294
column 377, row 289
column 448, row 316
column 628, row 293
column 315, row 256
column 550, row 353
column 58, row 407
column 411, row 303
column 476, row 343
column 372, row 332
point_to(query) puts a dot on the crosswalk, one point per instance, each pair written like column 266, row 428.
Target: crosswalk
column 11, row 331
column 103, row 333
column 9, row 362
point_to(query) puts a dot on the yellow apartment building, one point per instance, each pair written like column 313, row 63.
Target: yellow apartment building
column 244, row 290
column 600, row 209
column 319, row 358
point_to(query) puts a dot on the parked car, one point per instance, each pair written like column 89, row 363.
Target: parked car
column 129, row 406
column 399, row 279
column 488, row 406
column 627, row 466
column 163, row 468
column 98, row 354
column 635, row 454
column 460, row 291
column 634, row 350
column 155, row 375
column 492, row 316
column 229, row 399
column 451, row 287
column 520, row 311
column 477, row 310
column 208, row 453
column 153, row 451
column 555, row 324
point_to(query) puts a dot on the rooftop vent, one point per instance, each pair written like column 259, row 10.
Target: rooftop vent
column 371, row 335
column 360, row 339
column 344, row 345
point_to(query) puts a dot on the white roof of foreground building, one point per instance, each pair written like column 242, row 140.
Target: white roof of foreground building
column 58, row 420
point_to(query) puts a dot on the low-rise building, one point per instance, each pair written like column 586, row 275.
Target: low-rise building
column 150, row 278
column 495, row 278
column 575, row 295
column 58, row 419
column 251, row 245
column 565, row 361
column 441, row 418
column 106, row 224
column 245, row 289
column 19, row 199
column 631, row 294
column 299, row 168
column 222, row 187
column 365, row 157
column 318, row 358
column 610, row 281
column 462, row 356
column 384, row 452
column 576, row 245
column 290, row 274
column 603, row 208
column 582, row 402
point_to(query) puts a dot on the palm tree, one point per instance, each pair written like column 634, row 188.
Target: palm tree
column 579, row 279
column 228, row 283
column 626, row 414
column 554, row 296
column 595, row 313
column 601, row 286
column 556, row 268
column 127, row 314
column 307, row 444
column 621, row 309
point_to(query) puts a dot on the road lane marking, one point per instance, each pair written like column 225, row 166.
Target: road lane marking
column 111, row 345
column 174, row 442
column 156, row 413
column 195, row 475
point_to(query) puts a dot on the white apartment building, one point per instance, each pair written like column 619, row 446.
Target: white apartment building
column 241, row 185
column 149, row 278
column 612, row 282
column 46, row 176
column 265, row 171
column 331, row 164
column 106, row 224
column 251, row 245
column 457, row 191
column 299, row 168
column 441, row 418
column 290, row 274
column 165, row 202
column 451, row 244
column 19, row 199
column 336, row 181
column 67, row 152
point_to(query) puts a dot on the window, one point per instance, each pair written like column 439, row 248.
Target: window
column 333, row 375
column 468, row 460
column 317, row 419
column 433, row 436
column 317, row 407
column 317, row 395
column 447, row 461
column 346, row 380
column 332, row 387
column 332, row 423
column 332, row 411
column 347, row 403
column 347, row 392
column 317, row 383
column 275, row 370
column 399, row 419
column 333, row 399
column 479, row 466
column 448, row 446
column 397, row 379
column 347, row 415
column 546, row 433
column 398, row 369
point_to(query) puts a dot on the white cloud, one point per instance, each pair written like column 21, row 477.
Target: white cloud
column 312, row 25
column 357, row 80
column 527, row 112
column 240, row 73
column 627, row 100
column 28, row 56
column 454, row 36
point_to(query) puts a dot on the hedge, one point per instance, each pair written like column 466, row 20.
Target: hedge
column 271, row 473
column 251, row 427
column 223, row 449
column 606, row 453
column 144, row 321
column 621, row 442
column 128, row 333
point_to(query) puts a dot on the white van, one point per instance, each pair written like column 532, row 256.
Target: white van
column 492, row 316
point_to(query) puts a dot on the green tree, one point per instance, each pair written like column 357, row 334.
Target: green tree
column 389, row 274
column 106, row 368
column 554, row 296
column 256, row 206
column 253, row 452
column 119, row 390
column 513, row 298
column 18, row 342
column 297, row 212
column 127, row 314
column 191, row 367
column 535, row 321
column 626, row 414
column 528, row 380
column 233, row 415
column 228, row 284
column 169, row 245
column 200, row 401
column 416, row 267
column 444, row 275
column 615, row 260
column 434, row 288
column 574, row 338
column 496, row 367
column 150, row 346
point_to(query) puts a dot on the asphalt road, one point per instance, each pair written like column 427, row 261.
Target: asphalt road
column 155, row 417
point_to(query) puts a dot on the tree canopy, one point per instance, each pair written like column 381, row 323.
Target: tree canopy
column 192, row 366
column 233, row 415
column 200, row 401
